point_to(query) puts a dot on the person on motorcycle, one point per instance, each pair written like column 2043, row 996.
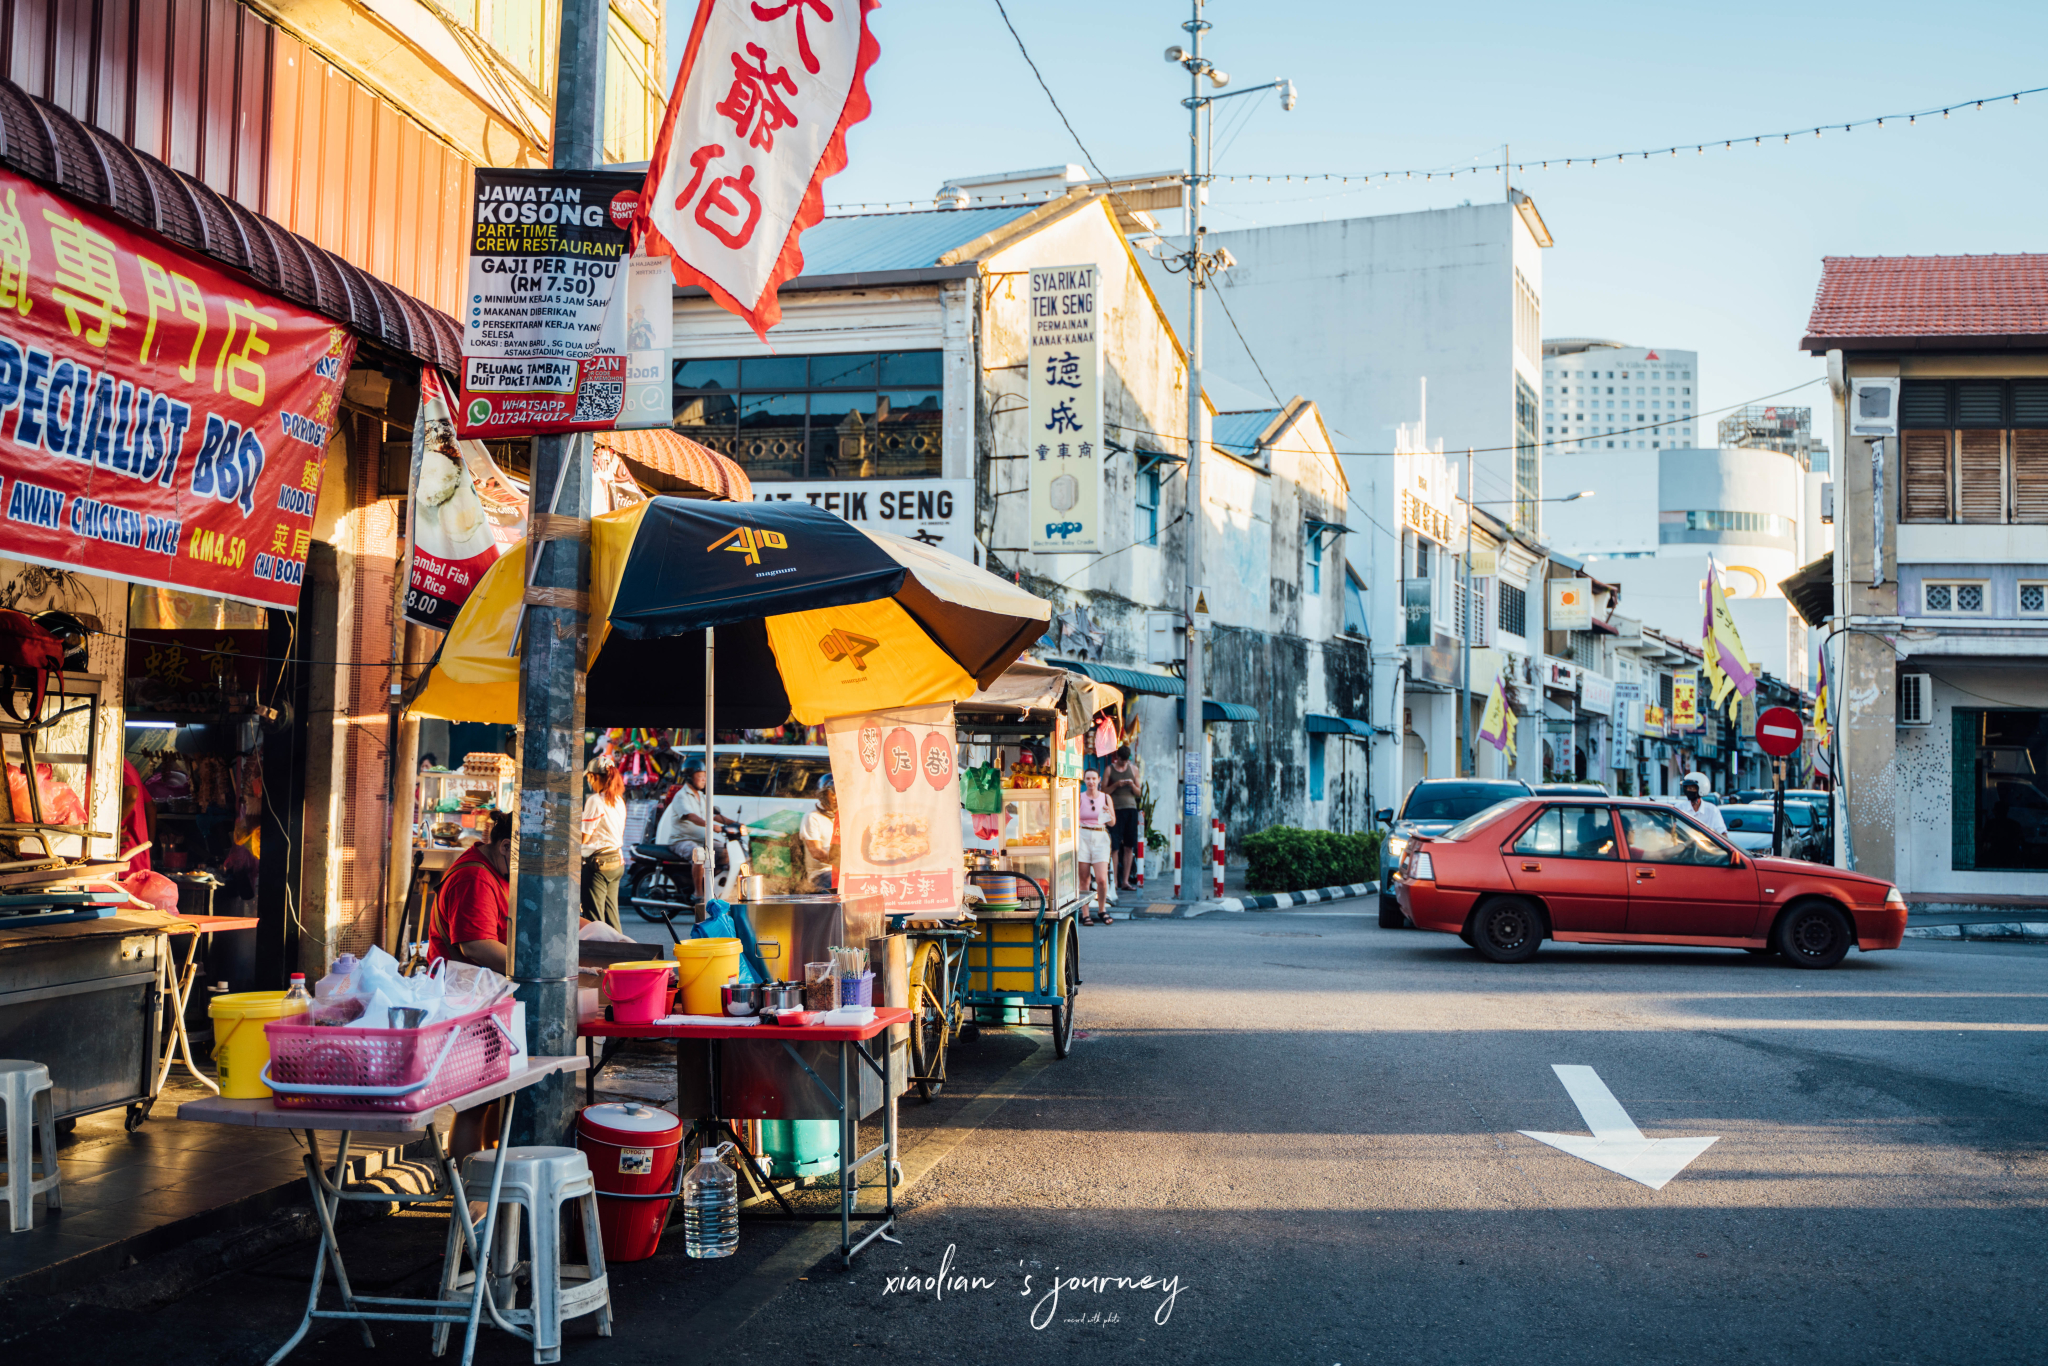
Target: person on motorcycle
column 1692, row 801
column 685, row 825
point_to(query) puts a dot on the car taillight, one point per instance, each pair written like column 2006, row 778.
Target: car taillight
column 1423, row 869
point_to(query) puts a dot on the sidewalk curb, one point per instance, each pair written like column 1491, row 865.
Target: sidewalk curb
column 1273, row 901
column 2031, row 931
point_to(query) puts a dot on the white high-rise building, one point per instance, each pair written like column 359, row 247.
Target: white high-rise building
column 1602, row 395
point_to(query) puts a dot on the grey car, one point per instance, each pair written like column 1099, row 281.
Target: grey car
column 1749, row 829
column 1431, row 807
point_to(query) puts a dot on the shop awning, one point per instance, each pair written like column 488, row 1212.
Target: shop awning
column 1025, row 686
column 1130, row 680
column 1317, row 723
column 679, row 466
column 1212, row 710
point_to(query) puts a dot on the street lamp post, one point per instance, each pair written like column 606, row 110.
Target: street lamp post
column 1199, row 266
column 1468, row 758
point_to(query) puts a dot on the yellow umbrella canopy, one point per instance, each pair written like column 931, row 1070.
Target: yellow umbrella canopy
column 814, row 617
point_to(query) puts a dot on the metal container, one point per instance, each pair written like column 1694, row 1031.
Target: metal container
column 742, row 998
column 776, row 996
column 798, row 928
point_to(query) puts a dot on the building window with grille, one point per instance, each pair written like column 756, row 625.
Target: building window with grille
column 1528, row 466
column 1315, row 564
column 1955, row 599
column 1514, row 610
column 1147, row 527
column 1974, row 451
column 2034, row 599
column 865, row 415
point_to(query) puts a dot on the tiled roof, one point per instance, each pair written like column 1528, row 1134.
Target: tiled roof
column 1931, row 297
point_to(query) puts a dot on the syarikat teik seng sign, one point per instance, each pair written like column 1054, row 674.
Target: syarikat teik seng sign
column 160, row 421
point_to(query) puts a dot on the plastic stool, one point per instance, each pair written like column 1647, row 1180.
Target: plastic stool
column 537, row 1182
column 25, row 1088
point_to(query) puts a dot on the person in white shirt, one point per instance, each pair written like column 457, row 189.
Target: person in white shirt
column 1692, row 801
column 685, row 825
column 603, row 840
column 819, row 832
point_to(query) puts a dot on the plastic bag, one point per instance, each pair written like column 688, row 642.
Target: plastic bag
column 732, row 922
column 981, row 789
column 153, row 888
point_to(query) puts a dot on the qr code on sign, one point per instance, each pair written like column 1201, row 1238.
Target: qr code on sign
column 599, row 402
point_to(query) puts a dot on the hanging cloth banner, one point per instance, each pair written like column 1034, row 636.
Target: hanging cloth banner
column 565, row 329
column 1065, row 450
column 165, row 423
column 463, row 513
column 899, row 806
column 1728, row 668
column 755, row 125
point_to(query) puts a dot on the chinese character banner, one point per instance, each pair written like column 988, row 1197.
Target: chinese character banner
column 755, row 125
column 160, row 421
column 1065, row 374
column 899, row 806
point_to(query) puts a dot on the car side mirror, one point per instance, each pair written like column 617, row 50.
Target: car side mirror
column 1385, row 815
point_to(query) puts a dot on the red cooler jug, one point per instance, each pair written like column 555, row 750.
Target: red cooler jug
column 632, row 1150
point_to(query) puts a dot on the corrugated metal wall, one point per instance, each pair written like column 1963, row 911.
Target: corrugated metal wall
column 350, row 171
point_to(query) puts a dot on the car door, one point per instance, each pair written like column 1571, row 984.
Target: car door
column 1569, row 857
column 1683, row 881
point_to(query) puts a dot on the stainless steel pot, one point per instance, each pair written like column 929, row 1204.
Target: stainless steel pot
column 782, row 996
column 742, row 999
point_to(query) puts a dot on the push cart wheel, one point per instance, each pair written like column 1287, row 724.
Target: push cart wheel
column 1063, row 1010
column 928, row 1024
column 137, row 1113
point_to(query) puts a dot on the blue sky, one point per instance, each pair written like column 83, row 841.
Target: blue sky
column 1717, row 253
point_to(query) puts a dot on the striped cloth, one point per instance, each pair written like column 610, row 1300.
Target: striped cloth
column 673, row 454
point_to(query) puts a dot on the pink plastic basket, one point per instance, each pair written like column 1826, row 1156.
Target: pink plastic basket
column 316, row 1067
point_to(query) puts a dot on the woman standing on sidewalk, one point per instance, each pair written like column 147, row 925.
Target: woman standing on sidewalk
column 1120, row 781
column 604, row 840
column 1095, row 814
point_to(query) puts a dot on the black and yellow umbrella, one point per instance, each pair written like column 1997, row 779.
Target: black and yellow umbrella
column 813, row 617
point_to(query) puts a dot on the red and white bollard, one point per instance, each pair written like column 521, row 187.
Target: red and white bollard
column 1176, row 860
column 1216, row 833
column 1138, row 864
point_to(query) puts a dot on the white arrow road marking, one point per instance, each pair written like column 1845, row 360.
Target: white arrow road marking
column 1616, row 1143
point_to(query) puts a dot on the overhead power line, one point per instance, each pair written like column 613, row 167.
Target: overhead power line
column 1699, row 147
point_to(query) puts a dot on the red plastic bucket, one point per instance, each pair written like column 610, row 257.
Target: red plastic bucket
column 638, row 991
column 632, row 1151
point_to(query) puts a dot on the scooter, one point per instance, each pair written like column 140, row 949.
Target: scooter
column 659, row 882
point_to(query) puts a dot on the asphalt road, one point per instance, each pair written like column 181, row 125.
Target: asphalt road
column 1304, row 1129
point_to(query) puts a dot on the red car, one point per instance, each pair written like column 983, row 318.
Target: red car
column 1633, row 872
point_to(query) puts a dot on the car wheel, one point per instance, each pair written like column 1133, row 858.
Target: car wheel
column 1813, row 936
column 1390, row 913
column 1507, row 930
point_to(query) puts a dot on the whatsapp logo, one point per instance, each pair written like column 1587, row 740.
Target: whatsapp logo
column 479, row 409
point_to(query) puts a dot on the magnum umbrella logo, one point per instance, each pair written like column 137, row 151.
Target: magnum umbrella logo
column 840, row 643
column 750, row 542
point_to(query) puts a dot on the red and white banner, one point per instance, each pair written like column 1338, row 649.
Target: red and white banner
column 756, row 123
column 899, row 806
column 160, row 421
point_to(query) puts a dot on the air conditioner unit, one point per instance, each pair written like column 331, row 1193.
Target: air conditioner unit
column 1874, row 407
column 1827, row 502
column 1916, row 699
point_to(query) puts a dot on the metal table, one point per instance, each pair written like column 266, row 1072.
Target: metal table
column 853, row 1041
column 177, row 985
column 328, row 1195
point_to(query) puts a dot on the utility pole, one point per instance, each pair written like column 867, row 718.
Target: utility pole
column 1199, row 265
column 1466, row 758
column 551, row 660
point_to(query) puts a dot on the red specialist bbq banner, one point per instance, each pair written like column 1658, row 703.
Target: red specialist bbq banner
column 160, row 421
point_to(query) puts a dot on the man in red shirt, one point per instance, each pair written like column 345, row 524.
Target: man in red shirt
column 473, row 913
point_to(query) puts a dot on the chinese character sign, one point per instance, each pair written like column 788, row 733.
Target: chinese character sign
column 1063, row 449
column 1685, row 702
column 563, row 329
column 899, row 806
column 160, row 421
column 757, row 121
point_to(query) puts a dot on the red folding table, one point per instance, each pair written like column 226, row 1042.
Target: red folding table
column 853, row 1041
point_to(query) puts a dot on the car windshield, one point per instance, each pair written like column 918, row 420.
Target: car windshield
column 1456, row 801
column 1746, row 818
column 1479, row 818
column 1799, row 813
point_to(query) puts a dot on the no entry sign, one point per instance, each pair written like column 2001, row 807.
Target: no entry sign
column 1779, row 732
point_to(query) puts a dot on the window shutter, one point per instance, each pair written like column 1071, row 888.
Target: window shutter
column 1923, row 403
column 1980, row 476
column 2030, row 403
column 1980, row 403
column 2030, row 476
column 1925, row 495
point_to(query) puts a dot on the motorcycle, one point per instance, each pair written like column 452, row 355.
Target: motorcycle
column 659, row 882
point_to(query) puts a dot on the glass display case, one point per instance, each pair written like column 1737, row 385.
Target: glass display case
column 1039, row 835
column 454, row 802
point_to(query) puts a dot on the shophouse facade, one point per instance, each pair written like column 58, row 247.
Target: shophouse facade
column 897, row 381
column 1937, row 613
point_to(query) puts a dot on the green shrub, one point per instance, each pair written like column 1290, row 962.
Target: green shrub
column 1284, row 859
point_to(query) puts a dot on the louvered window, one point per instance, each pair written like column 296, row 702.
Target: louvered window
column 2030, row 475
column 1980, row 403
column 1925, row 495
column 2030, row 403
column 1923, row 403
column 1980, row 476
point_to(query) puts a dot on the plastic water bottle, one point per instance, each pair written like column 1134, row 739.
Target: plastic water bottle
column 296, row 994
column 711, row 1208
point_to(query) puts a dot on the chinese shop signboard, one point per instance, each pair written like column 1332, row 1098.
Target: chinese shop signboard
column 757, row 121
column 160, row 421
column 564, row 330
column 899, row 806
column 1064, row 451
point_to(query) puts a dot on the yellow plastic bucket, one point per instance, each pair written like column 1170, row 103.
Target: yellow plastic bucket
column 702, row 967
column 240, row 1049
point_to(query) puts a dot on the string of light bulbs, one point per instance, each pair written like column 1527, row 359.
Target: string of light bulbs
column 1701, row 147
